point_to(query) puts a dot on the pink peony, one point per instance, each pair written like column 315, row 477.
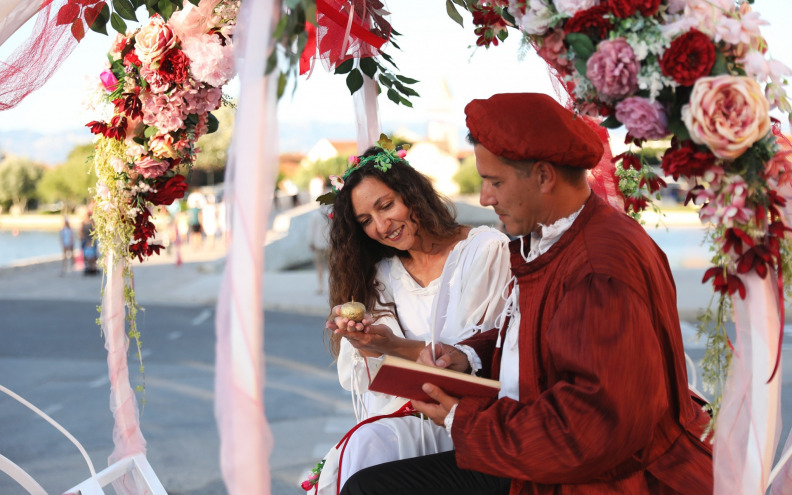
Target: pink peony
column 728, row 114
column 210, row 61
column 644, row 119
column 162, row 146
column 192, row 22
column 151, row 168
column 153, row 40
column 613, row 69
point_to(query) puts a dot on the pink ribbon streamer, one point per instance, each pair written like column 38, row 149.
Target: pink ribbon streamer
column 127, row 437
column 245, row 437
column 746, row 433
column 367, row 120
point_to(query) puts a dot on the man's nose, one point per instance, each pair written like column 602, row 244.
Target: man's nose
column 485, row 197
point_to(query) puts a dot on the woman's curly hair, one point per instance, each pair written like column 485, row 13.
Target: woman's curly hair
column 354, row 255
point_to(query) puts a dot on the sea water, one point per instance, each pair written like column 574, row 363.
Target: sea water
column 28, row 245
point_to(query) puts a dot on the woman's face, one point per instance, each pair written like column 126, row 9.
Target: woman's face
column 382, row 214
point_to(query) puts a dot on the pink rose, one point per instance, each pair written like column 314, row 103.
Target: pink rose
column 192, row 22
column 151, row 168
column 401, row 153
column 728, row 114
column 161, row 146
column 306, row 485
column 613, row 69
column 643, row 118
column 354, row 160
column 153, row 40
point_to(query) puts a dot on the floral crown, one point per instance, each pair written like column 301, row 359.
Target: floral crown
column 383, row 160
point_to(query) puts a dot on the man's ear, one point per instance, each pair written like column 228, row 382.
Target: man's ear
column 546, row 175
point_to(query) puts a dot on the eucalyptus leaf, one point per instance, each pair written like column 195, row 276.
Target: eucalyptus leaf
column 100, row 24
column 368, row 66
column 345, row 67
column 453, row 14
column 118, row 23
column 125, row 9
column 581, row 44
column 406, row 80
column 354, row 81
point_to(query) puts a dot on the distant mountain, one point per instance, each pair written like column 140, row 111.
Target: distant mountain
column 50, row 149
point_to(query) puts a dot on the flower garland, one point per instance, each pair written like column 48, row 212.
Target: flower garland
column 696, row 71
column 162, row 83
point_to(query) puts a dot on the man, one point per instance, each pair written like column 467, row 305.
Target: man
column 594, row 395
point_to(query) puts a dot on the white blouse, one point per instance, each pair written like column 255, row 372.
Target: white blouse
column 465, row 299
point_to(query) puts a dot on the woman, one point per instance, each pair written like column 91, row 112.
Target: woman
column 396, row 247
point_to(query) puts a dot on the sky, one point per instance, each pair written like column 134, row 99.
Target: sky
column 434, row 50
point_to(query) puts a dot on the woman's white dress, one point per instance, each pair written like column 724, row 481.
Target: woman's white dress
column 465, row 299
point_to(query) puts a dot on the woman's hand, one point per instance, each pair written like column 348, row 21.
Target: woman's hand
column 336, row 322
column 373, row 340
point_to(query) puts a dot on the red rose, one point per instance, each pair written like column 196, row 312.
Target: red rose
column 173, row 67
column 131, row 58
column 168, row 191
column 686, row 160
column 591, row 22
column 627, row 8
column 690, row 57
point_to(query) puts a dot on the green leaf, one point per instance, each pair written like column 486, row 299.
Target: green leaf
column 125, row 9
column 385, row 81
column 580, row 66
column 272, row 61
column 281, row 84
column 394, row 44
column 291, row 4
column 345, row 67
column 212, row 124
column 502, row 34
column 453, row 14
column 165, row 8
column 389, row 59
column 461, row 3
column 100, row 24
column 404, row 89
column 302, row 40
column 151, row 3
column 178, row 4
column 150, row 131
column 327, row 199
column 195, row 2
column 280, row 28
column 368, row 66
column 405, row 102
column 581, row 44
column 394, row 96
column 611, row 122
column 354, row 81
column 406, row 80
column 138, row 3
column 118, row 23
column 679, row 129
column 719, row 67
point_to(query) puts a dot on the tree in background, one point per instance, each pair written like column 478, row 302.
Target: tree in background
column 18, row 178
column 322, row 168
column 214, row 146
column 467, row 177
column 71, row 181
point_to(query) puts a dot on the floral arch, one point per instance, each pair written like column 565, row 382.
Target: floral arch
column 695, row 71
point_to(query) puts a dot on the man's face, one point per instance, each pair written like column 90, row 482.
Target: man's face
column 513, row 194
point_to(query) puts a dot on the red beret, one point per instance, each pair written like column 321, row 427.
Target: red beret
column 533, row 126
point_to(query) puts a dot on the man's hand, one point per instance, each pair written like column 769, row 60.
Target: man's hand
column 435, row 412
column 446, row 356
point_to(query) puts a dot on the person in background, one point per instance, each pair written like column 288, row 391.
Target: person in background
column 594, row 395
column 67, row 245
column 396, row 246
column 319, row 243
column 89, row 245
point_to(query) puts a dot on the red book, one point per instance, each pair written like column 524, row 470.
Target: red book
column 404, row 378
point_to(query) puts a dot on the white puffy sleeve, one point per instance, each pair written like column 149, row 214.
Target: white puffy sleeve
column 476, row 287
column 352, row 371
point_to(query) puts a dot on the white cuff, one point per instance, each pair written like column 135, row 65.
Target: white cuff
column 473, row 359
column 449, row 419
